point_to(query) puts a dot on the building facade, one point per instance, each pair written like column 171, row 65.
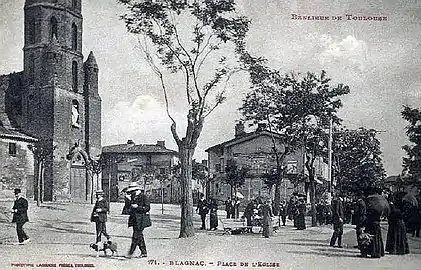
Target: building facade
column 254, row 150
column 151, row 165
column 17, row 163
column 55, row 98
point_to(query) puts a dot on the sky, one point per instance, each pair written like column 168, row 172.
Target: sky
column 379, row 60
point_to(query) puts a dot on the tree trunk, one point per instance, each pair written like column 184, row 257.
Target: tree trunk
column 42, row 181
column 39, row 183
column 186, row 154
column 277, row 199
column 312, row 199
column 92, row 188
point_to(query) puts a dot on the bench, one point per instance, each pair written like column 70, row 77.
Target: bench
column 234, row 226
column 238, row 226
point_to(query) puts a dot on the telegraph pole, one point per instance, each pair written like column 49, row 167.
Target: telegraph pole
column 329, row 170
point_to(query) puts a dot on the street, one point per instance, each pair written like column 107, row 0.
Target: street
column 61, row 233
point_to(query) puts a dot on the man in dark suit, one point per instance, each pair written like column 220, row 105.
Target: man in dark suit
column 20, row 216
column 99, row 216
column 338, row 221
column 139, row 218
column 202, row 209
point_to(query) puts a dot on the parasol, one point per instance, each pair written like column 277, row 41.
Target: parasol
column 378, row 205
column 410, row 199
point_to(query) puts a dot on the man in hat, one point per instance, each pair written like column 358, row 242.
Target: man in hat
column 139, row 218
column 99, row 216
column 20, row 216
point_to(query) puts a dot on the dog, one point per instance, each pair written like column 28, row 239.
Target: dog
column 104, row 246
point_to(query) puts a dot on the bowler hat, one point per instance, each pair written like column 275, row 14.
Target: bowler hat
column 17, row 191
column 133, row 186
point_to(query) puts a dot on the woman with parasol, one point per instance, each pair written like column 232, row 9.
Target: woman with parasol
column 377, row 207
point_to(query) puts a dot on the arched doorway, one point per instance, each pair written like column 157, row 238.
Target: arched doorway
column 79, row 183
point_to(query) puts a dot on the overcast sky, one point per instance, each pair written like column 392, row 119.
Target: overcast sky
column 379, row 60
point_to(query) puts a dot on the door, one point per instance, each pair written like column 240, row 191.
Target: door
column 78, row 184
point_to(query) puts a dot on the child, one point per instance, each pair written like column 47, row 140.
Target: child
column 99, row 216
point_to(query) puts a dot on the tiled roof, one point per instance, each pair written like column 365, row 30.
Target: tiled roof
column 15, row 135
column 245, row 137
column 137, row 148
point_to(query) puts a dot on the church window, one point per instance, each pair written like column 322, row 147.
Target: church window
column 12, row 149
column 75, row 114
column 74, row 37
column 31, row 69
column 53, row 28
column 31, row 31
column 74, row 76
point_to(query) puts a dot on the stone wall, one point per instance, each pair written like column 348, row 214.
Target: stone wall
column 17, row 171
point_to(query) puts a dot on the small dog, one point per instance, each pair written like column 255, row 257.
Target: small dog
column 103, row 246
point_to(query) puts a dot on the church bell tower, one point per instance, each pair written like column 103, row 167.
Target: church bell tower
column 56, row 104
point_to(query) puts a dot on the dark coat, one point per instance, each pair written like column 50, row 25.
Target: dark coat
column 202, row 207
column 360, row 212
column 266, row 212
column 100, row 216
column 21, row 216
column 396, row 242
column 139, row 216
column 337, row 211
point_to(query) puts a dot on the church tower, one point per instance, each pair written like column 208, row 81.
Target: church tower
column 60, row 105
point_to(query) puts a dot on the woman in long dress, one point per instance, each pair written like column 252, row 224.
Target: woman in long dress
column 397, row 242
column 301, row 223
column 266, row 212
column 213, row 213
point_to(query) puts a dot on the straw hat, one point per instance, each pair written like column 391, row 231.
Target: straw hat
column 133, row 186
column 99, row 192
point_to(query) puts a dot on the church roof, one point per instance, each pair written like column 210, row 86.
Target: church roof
column 15, row 135
column 137, row 148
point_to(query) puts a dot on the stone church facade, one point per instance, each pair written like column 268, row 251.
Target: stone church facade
column 55, row 98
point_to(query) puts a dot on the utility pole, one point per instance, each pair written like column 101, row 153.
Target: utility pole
column 329, row 169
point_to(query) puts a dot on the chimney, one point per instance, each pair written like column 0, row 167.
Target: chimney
column 161, row 143
column 205, row 163
column 239, row 129
column 130, row 142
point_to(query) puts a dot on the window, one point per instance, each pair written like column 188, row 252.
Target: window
column 74, row 76
column 75, row 114
column 74, row 3
column 31, row 31
column 53, row 28
column 31, row 69
column 12, row 149
column 74, row 37
column 218, row 167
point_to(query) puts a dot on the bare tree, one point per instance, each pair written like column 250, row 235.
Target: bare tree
column 187, row 37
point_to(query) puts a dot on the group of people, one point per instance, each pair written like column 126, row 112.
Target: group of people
column 295, row 210
column 403, row 216
column 208, row 206
column 232, row 208
column 137, row 206
column 259, row 212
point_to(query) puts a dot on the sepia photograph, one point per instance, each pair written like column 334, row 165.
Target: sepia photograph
column 210, row 134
